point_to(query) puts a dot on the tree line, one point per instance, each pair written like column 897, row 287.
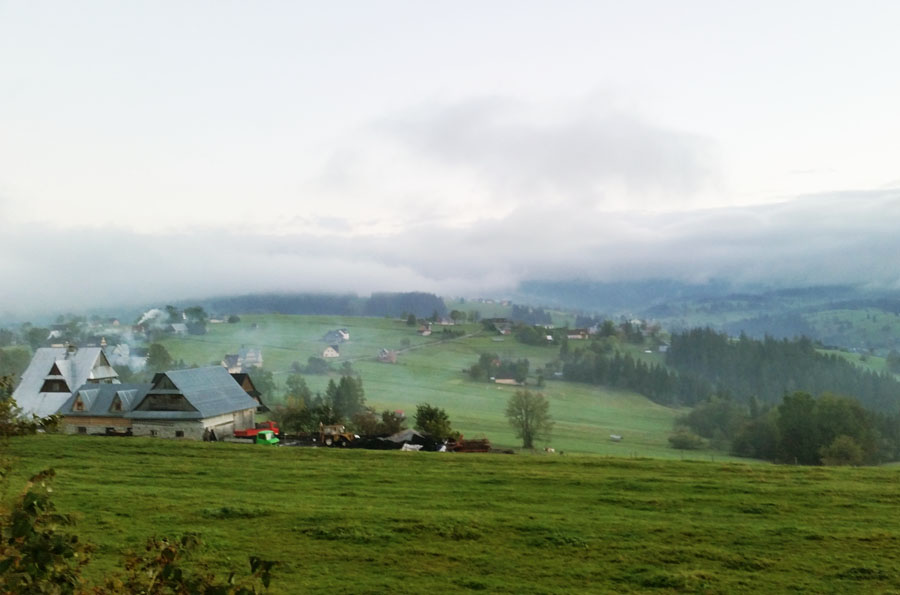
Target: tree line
column 801, row 429
column 770, row 368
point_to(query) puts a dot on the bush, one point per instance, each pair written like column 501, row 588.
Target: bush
column 686, row 440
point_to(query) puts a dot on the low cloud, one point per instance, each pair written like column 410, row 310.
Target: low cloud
column 841, row 237
column 586, row 154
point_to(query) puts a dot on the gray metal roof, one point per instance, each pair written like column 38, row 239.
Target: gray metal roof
column 76, row 367
column 211, row 391
column 98, row 399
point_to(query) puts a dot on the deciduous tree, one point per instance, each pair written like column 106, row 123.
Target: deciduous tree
column 529, row 415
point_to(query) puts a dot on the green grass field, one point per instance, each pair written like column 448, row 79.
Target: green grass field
column 432, row 371
column 393, row 522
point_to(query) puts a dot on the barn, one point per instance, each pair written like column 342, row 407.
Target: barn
column 191, row 403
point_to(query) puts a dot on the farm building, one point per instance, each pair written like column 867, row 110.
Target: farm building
column 331, row 351
column 101, row 408
column 231, row 363
column 55, row 372
column 186, row 403
column 387, row 356
column 246, row 383
column 337, row 336
column 243, row 360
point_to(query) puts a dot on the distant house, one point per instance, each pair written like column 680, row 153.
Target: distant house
column 250, row 357
column 242, row 361
column 425, row 330
column 578, row 334
column 191, row 403
column 331, row 351
column 387, row 356
column 101, row 408
column 176, row 328
column 232, row 363
column 55, row 372
column 337, row 336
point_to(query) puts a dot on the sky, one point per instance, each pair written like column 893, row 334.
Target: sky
column 166, row 150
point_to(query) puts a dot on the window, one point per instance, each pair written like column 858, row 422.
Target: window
column 179, row 433
column 82, row 430
column 154, row 433
column 79, row 405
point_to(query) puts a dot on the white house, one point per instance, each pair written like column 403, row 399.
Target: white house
column 56, row 372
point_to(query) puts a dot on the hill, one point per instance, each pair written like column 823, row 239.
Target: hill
column 430, row 369
column 376, row 522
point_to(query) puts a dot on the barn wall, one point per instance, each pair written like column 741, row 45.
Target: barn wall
column 93, row 425
column 224, row 425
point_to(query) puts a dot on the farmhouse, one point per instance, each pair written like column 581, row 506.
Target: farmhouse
column 337, row 336
column 176, row 328
column 55, row 372
column 243, row 360
column 387, row 356
column 187, row 403
column 96, row 408
column 331, row 351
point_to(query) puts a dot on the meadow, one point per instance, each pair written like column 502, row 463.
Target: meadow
column 431, row 370
column 376, row 522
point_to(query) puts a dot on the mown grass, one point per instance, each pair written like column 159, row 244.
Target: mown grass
column 432, row 371
column 376, row 522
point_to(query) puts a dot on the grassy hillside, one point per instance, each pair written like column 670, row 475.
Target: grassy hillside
column 431, row 370
column 377, row 522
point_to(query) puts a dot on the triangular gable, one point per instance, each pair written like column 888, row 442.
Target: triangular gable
column 164, row 383
column 101, row 360
column 54, row 370
column 117, row 404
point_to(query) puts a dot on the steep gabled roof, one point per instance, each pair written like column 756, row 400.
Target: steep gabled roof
column 209, row 391
column 73, row 366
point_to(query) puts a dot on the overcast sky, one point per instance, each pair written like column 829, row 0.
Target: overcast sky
column 163, row 150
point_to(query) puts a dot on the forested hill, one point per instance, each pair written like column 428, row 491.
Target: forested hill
column 379, row 304
column 770, row 368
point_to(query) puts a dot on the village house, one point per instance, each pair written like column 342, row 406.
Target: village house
column 243, row 360
column 336, row 336
column 55, row 372
column 101, row 408
column 250, row 357
column 387, row 356
column 192, row 403
column 331, row 351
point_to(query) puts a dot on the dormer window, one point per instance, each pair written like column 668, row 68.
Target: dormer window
column 79, row 405
column 117, row 404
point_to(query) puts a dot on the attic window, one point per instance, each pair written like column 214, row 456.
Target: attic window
column 79, row 405
column 54, row 386
column 117, row 404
